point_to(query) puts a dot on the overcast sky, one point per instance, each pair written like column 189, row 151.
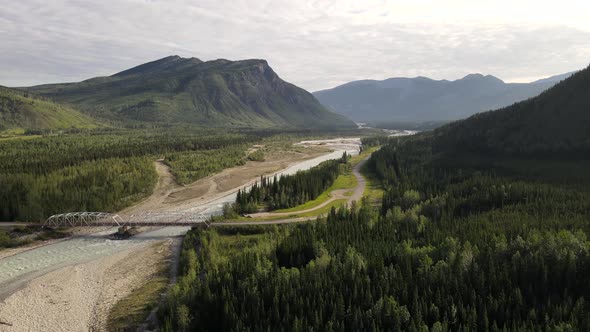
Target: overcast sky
column 313, row 44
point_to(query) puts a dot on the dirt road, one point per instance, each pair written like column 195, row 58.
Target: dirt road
column 168, row 195
column 166, row 185
column 361, row 182
column 357, row 194
column 60, row 286
column 263, row 222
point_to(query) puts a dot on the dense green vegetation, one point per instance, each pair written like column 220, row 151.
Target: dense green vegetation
column 26, row 111
column 555, row 122
column 6, row 241
column 373, row 141
column 450, row 248
column 345, row 180
column 106, row 170
column 289, row 190
column 217, row 93
column 483, row 226
column 11, row 237
column 188, row 167
column 257, row 155
column 109, row 169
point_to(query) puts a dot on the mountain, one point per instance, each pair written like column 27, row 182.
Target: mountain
column 23, row 110
column 422, row 99
column 556, row 78
column 244, row 93
column 556, row 122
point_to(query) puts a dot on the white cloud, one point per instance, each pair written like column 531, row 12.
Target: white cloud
column 314, row 44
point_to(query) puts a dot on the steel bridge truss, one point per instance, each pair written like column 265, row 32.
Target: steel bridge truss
column 73, row 219
column 78, row 219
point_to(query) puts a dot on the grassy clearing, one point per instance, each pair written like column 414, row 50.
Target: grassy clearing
column 311, row 214
column 13, row 131
column 133, row 309
column 22, row 137
column 347, row 180
column 227, row 242
column 356, row 159
column 337, row 203
column 236, row 243
column 374, row 189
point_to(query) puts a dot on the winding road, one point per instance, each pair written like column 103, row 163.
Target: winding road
column 334, row 195
column 20, row 268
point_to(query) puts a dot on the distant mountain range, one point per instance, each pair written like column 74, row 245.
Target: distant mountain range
column 24, row 110
column 421, row 99
column 179, row 90
column 555, row 123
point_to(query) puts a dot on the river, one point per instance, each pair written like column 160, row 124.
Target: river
column 16, row 270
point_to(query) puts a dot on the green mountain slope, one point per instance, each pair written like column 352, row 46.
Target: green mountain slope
column 423, row 99
column 557, row 121
column 23, row 110
column 217, row 93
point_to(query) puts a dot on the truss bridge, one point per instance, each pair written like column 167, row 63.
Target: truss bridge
column 81, row 219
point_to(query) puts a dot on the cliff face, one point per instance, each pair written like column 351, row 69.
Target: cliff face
column 218, row 93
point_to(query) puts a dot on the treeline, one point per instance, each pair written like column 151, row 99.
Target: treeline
column 105, row 170
column 553, row 124
column 289, row 190
column 97, row 185
column 372, row 141
column 375, row 141
column 54, row 152
column 455, row 246
column 188, row 167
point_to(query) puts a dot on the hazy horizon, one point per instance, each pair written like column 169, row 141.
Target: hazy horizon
column 313, row 44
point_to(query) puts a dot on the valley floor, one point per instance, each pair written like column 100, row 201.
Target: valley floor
column 79, row 294
column 170, row 196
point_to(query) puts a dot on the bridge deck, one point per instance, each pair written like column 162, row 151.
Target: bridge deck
column 130, row 224
column 92, row 219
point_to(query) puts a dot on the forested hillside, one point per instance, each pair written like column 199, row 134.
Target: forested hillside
column 106, row 170
column 451, row 248
column 25, row 111
column 214, row 93
column 484, row 226
column 555, row 122
column 421, row 99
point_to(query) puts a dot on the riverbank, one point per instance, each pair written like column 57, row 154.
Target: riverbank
column 78, row 297
column 63, row 281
